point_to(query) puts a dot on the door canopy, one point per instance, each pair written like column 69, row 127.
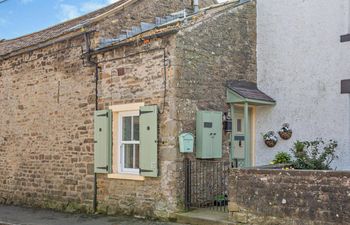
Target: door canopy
column 239, row 91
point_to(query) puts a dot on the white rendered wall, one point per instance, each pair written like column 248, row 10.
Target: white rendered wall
column 300, row 64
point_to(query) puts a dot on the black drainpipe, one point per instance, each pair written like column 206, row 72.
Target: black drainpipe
column 94, row 202
column 88, row 49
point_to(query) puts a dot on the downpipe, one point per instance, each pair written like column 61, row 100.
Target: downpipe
column 88, row 49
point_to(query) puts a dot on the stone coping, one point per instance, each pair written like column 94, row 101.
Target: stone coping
column 328, row 173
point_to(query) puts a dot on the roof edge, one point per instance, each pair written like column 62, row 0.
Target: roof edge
column 136, row 39
column 122, row 5
column 117, row 8
column 190, row 17
column 46, row 43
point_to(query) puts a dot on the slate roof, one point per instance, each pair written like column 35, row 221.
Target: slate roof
column 11, row 45
column 248, row 90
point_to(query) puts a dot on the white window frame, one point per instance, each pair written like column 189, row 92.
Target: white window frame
column 121, row 168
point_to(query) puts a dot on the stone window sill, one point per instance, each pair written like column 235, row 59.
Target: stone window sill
column 125, row 177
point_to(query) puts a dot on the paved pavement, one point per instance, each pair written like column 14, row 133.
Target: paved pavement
column 11, row 215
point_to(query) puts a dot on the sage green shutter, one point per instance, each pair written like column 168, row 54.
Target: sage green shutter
column 103, row 141
column 149, row 141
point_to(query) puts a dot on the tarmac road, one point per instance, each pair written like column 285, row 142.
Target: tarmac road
column 13, row 215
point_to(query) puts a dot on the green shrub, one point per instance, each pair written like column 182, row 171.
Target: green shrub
column 314, row 155
column 282, row 157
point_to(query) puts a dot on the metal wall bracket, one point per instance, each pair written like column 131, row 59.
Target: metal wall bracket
column 146, row 171
column 103, row 168
column 345, row 38
column 345, row 87
column 105, row 114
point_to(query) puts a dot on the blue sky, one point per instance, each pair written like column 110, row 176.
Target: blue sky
column 20, row 17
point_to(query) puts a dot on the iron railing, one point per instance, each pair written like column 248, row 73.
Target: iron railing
column 206, row 184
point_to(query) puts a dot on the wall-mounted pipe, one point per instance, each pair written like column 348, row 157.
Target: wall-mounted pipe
column 95, row 64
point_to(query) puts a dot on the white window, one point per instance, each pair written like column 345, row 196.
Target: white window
column 129, row 142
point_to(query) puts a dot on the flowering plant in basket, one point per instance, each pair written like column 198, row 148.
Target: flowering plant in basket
column 270, row 139
column 285, row 132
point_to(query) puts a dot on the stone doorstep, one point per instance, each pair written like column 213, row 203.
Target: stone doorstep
column 204, row 217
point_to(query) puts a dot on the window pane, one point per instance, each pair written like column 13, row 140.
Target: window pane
column 137, row 155
column 126, row 128
column 239, row 125
column 128, row 156
column 136, row 128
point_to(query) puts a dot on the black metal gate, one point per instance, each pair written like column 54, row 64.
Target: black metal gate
column 206, row 184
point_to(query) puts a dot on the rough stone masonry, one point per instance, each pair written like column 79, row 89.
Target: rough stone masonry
column 47, row 100
column 196, row 63
column 289, row 197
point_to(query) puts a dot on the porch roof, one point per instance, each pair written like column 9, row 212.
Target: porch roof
column 239, row 91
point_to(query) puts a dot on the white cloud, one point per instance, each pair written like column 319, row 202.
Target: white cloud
column 90, row 6
column 93, row 5
column 111, row 1
column 68, row 12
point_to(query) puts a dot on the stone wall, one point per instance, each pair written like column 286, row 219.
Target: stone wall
column 220, row 47
column 189, row 55
column 114, row 23
column 46, row 128
column 289, row 197
column 47, row 100
column 142, row 80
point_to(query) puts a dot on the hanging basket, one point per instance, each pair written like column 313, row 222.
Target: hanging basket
column 270, row 143
column 285, row 135
column 270, row 139
column 285, row 132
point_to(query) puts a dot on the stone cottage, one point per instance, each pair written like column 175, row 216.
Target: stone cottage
column 91, row 109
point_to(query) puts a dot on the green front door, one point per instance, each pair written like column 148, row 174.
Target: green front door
column 241, row 139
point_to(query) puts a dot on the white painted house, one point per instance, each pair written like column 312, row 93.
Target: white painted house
column 300, row 64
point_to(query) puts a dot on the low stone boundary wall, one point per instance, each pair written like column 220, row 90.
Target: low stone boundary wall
column 289, row 197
